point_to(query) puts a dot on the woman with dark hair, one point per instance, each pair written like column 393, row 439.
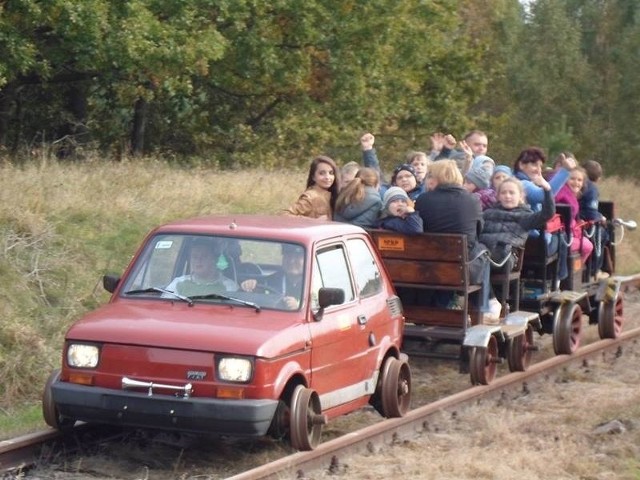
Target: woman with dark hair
column 528, row 166
column 323, row 184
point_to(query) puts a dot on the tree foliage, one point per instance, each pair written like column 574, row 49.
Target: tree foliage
column 247, row 82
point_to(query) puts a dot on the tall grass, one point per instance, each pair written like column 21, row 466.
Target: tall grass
column 62, row 226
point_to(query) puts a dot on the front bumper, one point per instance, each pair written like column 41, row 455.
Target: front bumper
column 126, row 408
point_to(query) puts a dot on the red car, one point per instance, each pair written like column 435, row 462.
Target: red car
column 238, row 325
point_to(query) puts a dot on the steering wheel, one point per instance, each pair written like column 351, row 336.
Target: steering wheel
column 267, row 289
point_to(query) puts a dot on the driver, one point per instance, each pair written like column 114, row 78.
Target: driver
column 288, row 282
column 205, row 278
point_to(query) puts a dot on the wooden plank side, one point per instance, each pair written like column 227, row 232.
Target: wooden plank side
column 431, row 273
column 435, row 317
column 427, row 246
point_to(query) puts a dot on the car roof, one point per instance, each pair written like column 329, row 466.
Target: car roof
column 274, row 227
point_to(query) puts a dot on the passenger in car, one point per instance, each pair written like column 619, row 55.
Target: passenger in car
column 287, row 282
column 204, row 277
column 323, row 185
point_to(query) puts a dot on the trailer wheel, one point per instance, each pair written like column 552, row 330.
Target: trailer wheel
column 610, row 317
column 306, row 419
column 567, row 327
column 395, row 388
column 520, row 350
column 49, row 410
column 483, row 362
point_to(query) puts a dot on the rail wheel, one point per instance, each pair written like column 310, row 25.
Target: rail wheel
column 306, row 419
column 520, row 350
column 483, row 361
column 49, row 410
column 610, row 317
column 567, row 327
column 396, row 388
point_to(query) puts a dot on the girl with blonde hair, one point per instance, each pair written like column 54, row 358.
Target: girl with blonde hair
column 507, row 224
column 448, row 208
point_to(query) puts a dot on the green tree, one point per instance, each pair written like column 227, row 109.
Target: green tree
column 549, row 77
column 244, row 81
column 105, row 57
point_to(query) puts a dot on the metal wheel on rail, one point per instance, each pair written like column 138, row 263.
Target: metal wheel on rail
column 483, row 362
column 49, row 410
column 520, row 350
column 567, row 328
column 610, row 317
column 395, row 388
column 306, row 419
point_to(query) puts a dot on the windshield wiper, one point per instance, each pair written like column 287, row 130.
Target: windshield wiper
column 219, row 296
column 160, row 290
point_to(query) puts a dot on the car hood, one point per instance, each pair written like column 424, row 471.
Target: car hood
column 202, row 327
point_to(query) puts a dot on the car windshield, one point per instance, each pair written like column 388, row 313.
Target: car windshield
column 231, row 270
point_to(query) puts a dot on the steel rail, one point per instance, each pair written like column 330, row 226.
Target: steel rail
column 395, row 430
column 20, row 453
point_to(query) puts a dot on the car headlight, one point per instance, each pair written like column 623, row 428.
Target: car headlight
column 81, row 355
column 235, row 369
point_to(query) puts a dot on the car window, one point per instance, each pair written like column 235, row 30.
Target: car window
column 331, row 270
column 267, row 273
column 158, row 264
column 365, row 269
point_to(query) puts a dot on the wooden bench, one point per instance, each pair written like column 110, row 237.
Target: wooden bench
column 421, row 265
column 540, row 269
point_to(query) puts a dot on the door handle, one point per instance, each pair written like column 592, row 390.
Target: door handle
column 362, row 319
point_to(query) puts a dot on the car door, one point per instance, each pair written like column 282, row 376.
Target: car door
column 339, row 342
column 374, row 315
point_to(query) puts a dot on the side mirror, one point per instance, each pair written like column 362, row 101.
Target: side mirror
column 110, row 282
column 330, row 296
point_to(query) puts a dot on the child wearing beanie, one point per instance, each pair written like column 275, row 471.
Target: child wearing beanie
column 500, row 173
column 404, row 176
column 478, row 181
column 398, row 213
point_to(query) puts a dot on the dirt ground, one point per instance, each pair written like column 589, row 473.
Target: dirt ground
column 582, row 424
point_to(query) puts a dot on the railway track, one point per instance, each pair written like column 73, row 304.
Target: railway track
column 19, row 454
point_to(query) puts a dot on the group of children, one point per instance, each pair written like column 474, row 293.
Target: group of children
column 456, row 190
